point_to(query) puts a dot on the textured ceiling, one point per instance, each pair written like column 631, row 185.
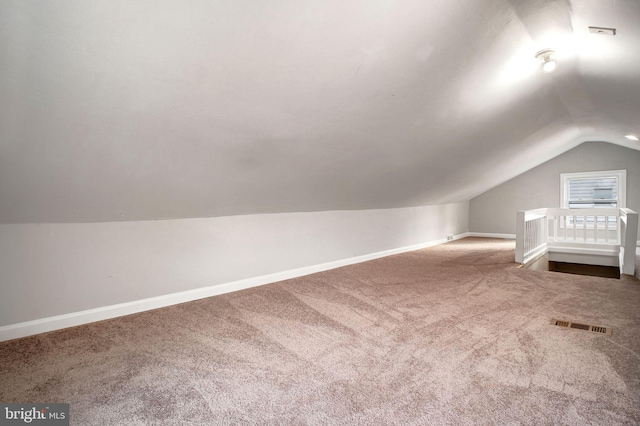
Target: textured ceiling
column 129, row 110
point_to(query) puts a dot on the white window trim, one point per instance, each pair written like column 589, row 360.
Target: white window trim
column 620, row 174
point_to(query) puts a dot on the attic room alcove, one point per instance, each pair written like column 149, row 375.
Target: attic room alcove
column 153, row 154
column 494, row 211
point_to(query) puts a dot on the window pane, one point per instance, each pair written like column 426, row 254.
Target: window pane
column 588, row 193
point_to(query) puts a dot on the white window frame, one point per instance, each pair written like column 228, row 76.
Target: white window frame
column 621, row 176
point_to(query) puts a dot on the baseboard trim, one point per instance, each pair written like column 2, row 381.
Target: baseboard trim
column 491, row 235
column 24, row 329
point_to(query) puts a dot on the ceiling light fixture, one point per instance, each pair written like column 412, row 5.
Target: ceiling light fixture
column 546, row 57
column 631, row 137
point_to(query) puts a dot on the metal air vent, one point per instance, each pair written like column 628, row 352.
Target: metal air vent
column 602, row 30
column 586, row 327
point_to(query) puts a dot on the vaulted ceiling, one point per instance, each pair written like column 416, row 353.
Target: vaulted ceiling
column 135, row 109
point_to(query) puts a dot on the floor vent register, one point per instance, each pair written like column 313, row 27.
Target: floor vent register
column 599, row 329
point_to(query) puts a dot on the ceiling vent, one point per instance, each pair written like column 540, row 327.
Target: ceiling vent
column 602, row 30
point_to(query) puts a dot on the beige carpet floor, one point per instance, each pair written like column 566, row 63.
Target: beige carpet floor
column 450, row 335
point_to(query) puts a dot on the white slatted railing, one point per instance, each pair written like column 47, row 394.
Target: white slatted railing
column 592, row 226
column 603, row 231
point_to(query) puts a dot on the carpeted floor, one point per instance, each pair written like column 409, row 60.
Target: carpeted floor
column 453, row 334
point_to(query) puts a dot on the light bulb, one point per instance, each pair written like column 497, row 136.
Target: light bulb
column 549, row 65
column 546, row 57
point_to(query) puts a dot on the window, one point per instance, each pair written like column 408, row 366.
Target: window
column 593, row 190
column 589, row 190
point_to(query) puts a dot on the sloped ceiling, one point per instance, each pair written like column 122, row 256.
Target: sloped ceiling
column 132, row 109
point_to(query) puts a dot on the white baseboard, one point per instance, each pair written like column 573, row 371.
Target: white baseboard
column 58, row 322
column 490, row 235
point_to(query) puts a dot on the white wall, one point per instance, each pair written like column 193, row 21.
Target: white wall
column 49, row 270
column 495, row 210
